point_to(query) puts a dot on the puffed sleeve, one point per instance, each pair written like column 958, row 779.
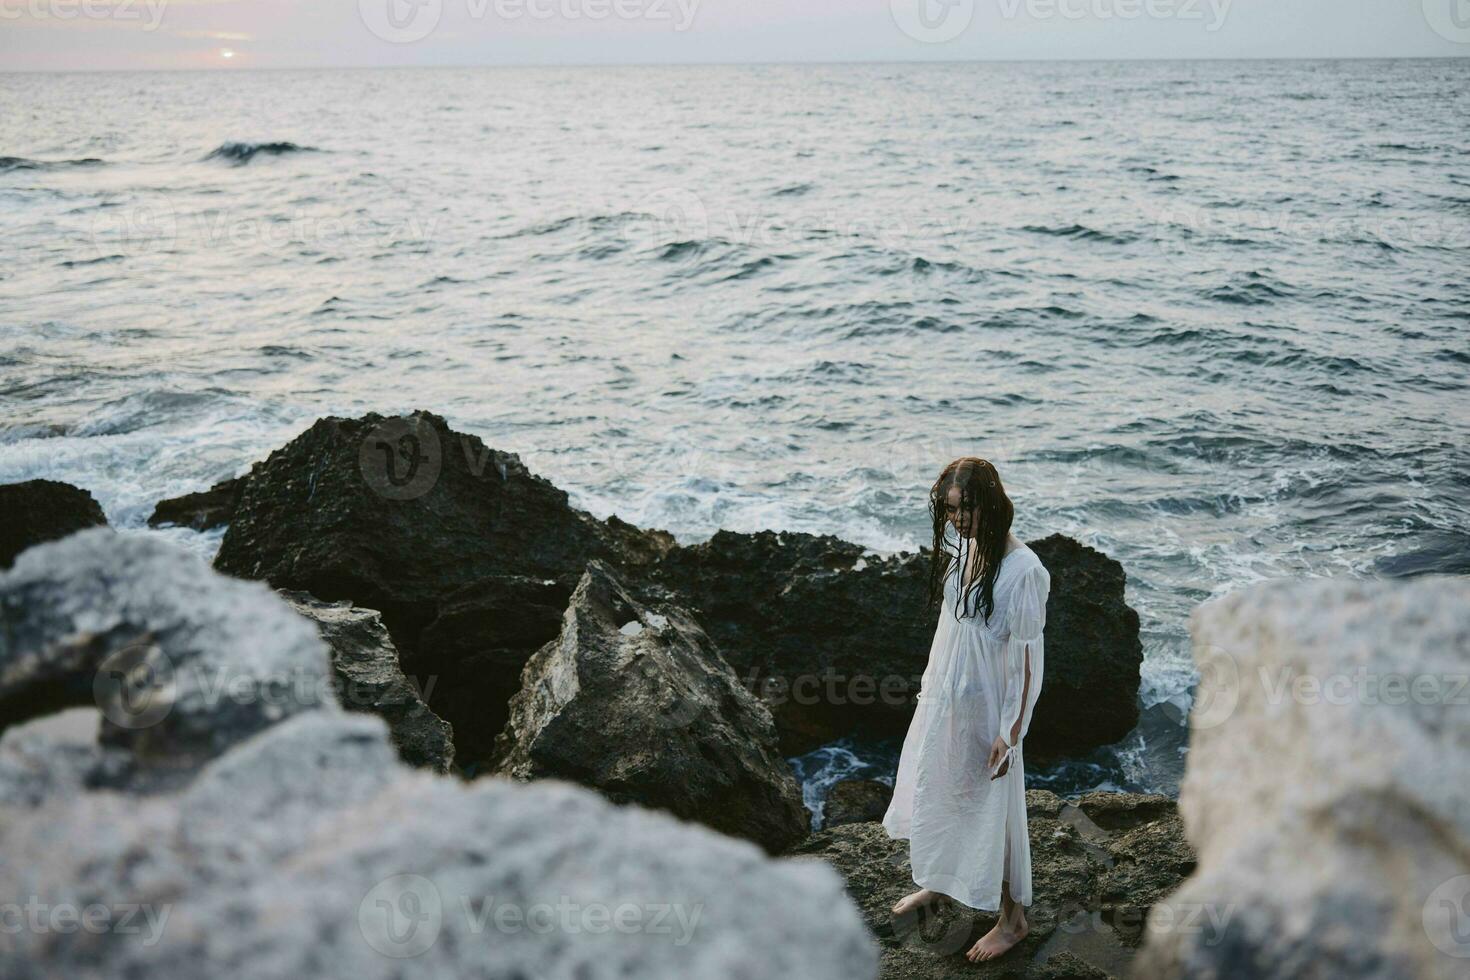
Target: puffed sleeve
column 1025, row 650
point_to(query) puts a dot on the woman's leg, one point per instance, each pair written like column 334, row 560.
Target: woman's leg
column 1009, row 929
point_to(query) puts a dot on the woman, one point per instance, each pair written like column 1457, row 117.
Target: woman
column 960, row 795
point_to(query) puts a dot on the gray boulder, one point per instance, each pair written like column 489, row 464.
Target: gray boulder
column 367, row 677
column 636, row 702
column 1328, row 785
column 127, row 625
column 291, row 842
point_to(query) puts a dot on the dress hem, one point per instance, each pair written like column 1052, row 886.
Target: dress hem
column 952, row 886
column 949, row 885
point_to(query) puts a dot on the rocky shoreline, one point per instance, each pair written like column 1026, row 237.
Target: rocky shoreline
column 1099, row 864
column 267, row 765
column 472, row 561
column 497, row 630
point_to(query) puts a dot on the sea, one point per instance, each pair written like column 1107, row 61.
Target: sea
column 1208, row 317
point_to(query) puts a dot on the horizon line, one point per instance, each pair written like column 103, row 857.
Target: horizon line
column 221, row 69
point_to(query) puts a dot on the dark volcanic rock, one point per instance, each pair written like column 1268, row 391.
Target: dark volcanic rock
column 470, row 558
column 257, row 835
column 1092, row 889
column 368, row 678
column 1089, row 696
column 856, row 801
column 636, row 702
column 433, row 529
column 203, row 510
column 395, row 514
column 42, row 510
column 836, row 641
column 471, row 656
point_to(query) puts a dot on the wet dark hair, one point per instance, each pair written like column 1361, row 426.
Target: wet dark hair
column 984, row 497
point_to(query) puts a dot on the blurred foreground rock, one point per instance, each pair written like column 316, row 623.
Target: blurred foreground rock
column 1328, row 785
column 42, row 510
column 253, row 830
column 637, row 703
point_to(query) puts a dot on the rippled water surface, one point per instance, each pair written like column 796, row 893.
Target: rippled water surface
column 1208, row 317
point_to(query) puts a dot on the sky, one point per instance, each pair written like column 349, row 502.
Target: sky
column 236, row 34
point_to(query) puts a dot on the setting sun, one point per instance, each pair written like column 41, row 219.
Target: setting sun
column 226, row 53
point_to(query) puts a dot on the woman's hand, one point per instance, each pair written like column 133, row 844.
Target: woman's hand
column 998, row 748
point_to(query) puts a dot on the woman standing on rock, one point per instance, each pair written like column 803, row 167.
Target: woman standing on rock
column 960, row 796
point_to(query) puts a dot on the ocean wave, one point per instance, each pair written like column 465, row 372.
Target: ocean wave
column 1081, row 233
column 1115, row 454
column 80, row 263
column 151, row 409
column 7, row 164
column 1254, row 289
column 922, row 266
column 752, row 268
column 677, row 251
column 1173, row 338
column 793, row 190
column 242, row 153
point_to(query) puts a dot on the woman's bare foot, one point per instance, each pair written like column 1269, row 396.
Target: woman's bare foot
column 998, row 941
column 918, row 899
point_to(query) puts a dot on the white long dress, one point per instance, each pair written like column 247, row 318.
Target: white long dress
column 966, row 832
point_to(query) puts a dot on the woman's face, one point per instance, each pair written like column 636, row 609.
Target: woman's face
column 963, row 521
